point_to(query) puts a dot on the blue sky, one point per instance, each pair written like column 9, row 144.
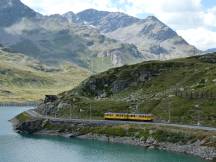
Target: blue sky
column 208, row 3
column 194, row 20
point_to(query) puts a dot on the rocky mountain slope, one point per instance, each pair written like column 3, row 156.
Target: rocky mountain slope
column 106, row 21
column 55, row 36
column 54, row 39
column 154, row 39
column 211, row 50
column 11, row 11
column 25, row 79
column 88, row 39
column 184, row 87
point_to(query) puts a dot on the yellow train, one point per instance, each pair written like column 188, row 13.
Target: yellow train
column 126, row 116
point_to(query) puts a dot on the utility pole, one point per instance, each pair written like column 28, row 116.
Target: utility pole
column 137, row 107
column 198, row 122
column 79, row 113
column 46, row 111
column 71, row 111
column 92, row 65
column 198, row 115
column 169, row 108
column 90, row 112
column 169, row 120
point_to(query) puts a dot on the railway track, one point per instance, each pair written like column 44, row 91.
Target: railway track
column 110, row 122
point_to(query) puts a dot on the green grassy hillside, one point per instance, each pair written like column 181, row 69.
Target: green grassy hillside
column 23, row 79
column 184, row 88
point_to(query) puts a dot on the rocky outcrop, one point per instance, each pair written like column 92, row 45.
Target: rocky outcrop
column 116, row 82
column 71, row 17
column 211, row 58
column 29, row 127
column 50, row 98
column 116, row 55
column 195, row 148
column 106, row 21
column 208, row 153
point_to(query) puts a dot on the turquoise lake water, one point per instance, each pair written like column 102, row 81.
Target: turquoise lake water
column 17, row 148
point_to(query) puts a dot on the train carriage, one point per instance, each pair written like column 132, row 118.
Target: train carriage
column 126, row 116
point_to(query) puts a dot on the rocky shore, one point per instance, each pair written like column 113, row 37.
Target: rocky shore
column 194, row 142
column 194, row 149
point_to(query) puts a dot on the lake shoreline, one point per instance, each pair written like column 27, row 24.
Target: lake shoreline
column 145, row 136
column 26, row 104
column 190, row 149
column 193, row 150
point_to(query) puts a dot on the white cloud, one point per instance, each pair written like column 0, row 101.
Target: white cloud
column 181, row 15
column 49, row 7
column 209, row 17
column 176, row 13
column 200, row 37
column 187, row 17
